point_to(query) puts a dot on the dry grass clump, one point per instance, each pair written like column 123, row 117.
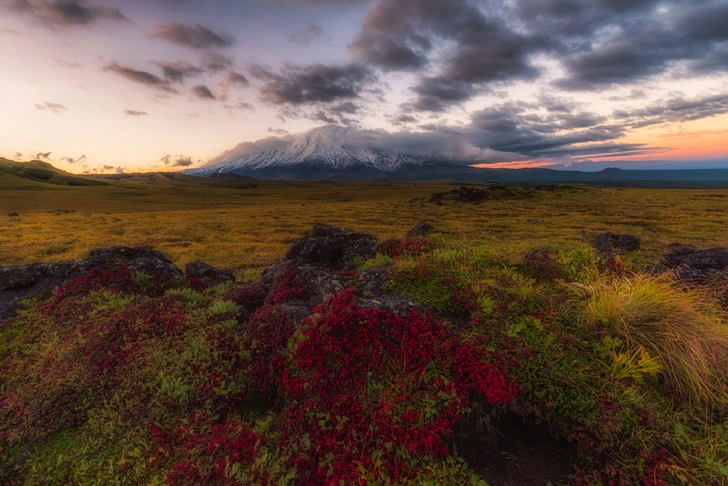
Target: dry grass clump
column 682, row 329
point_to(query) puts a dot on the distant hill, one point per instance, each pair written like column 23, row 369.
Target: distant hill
column 336, row 153
column 36, row 171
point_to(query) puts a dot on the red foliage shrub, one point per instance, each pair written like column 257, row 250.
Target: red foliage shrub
column 287, row 286
column 204, row 453
column 249, row 296
column 266, row 334
column 358, row 384
column 398, row 247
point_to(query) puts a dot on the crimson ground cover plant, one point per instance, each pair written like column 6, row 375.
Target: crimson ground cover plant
column 128, row 378
column 370, row 391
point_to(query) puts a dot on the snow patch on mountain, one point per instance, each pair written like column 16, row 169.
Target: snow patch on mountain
column 331, row 147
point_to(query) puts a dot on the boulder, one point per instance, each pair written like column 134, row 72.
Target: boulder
column 610, row 243
column 13, row 214
column 420, row 229
column 710, row 259
column 471, row 195
column 202, row 270
column 21, row 281
column 333, row 247
column 674, row 257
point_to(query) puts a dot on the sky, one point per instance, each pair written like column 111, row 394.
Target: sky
column 139, row 85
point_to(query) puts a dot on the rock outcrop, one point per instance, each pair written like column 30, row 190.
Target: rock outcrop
column 691, row 265
column 610, row 243
column 21, row 281
column 423, row 228
column 202, row 270
column 333, row 247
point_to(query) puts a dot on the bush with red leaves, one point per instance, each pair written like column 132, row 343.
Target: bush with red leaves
column 369, row 389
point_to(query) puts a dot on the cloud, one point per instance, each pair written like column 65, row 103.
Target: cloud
column 179, row 71
column 135, row 113
column 312, row 84
column 43, row 155
column 278, row 131
column 61, row 14
column 215, row 62
column 675, row 109
column 203, row 92
column 240, row 105
column 107, row 168
column 19, row 154
column 195, row 37
column 649, row 42
column 55, row 108
column 140, row 76
column 176, row 160
column 438, row 94
column 232, row 79
column 72, row 161
column 68, row 64
column 307, row 33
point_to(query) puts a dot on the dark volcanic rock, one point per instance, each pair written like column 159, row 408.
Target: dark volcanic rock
column 21, row 281
column 675, row 257
column 471, row 195
column 14, row 214
column 202, row 270
column 420, row 229
column 611, row 243
column 333, row 247
column 321, row 282
column 710, row 259
column 437, row 198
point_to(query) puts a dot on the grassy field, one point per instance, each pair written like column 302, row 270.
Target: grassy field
column 592, row 371
column 245, row 229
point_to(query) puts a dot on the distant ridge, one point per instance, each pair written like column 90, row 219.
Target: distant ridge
column 332, row 153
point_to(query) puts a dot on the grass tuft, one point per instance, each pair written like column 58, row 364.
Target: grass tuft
column 681, row 329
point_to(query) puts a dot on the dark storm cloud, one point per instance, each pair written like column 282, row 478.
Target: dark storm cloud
column 307, row 33
column 135, row 113
column 178, row 71
column 140, row 76
column 55, row 108
column 404, row 119
column 317, row 83
column 203, row 92
column 439, row 93
column 67, row 13
column 195, row 37
column 401, row 35
column 650, row 42
column 675, row 109
column 519, row 127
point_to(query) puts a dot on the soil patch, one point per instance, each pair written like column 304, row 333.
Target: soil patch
column 508, row 452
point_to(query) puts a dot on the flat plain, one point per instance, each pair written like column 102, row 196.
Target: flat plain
column 244, row 226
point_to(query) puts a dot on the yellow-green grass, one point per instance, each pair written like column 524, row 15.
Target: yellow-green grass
column 247, row 229
column 683, row 330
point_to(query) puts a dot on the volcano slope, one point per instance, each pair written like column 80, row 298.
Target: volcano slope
column 364, row 361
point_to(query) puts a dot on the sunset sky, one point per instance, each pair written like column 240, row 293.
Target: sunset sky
column 112, row 85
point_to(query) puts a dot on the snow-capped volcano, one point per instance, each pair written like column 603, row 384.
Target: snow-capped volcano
column 325, row 150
